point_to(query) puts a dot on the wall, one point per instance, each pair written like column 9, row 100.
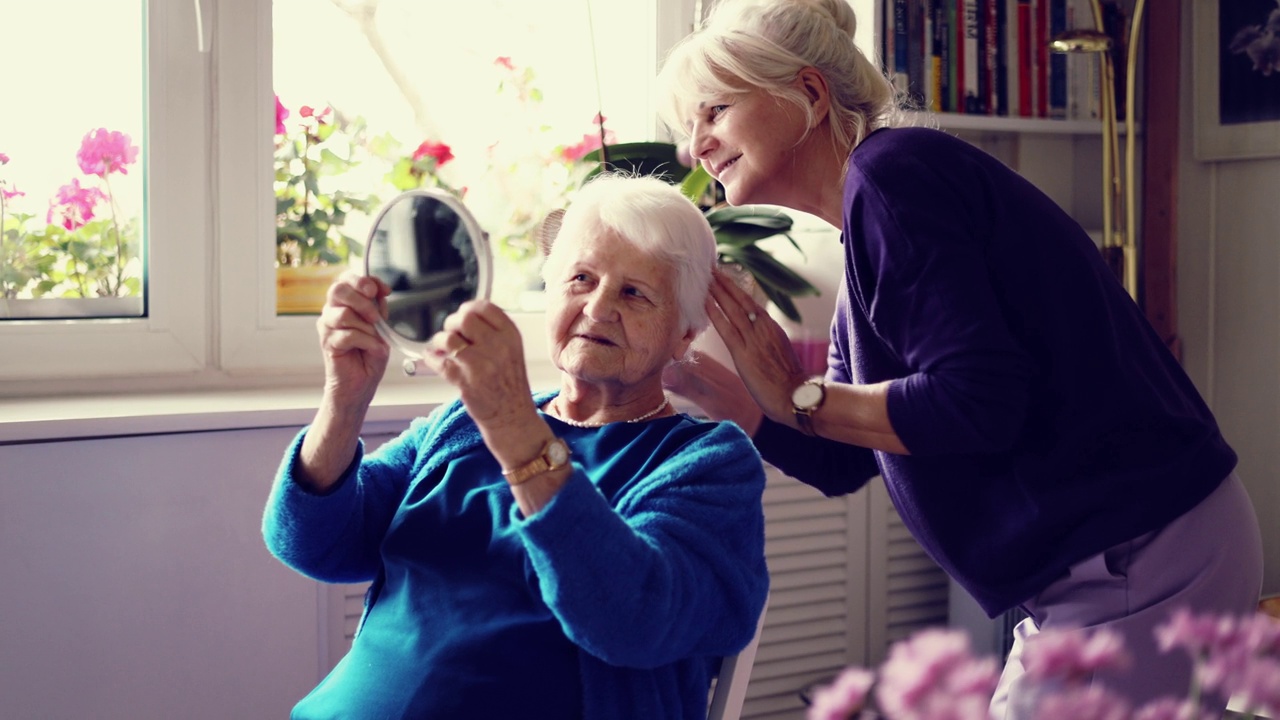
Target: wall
column 1229, row 305
column 134, row 582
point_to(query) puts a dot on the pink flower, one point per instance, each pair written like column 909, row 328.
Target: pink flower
column 1257, row 686
column 4, row 159
column 11, row 194
column 1070, row 654
column 504, row 62
column 73, row 205
column 932, row 675
column 1171, row 709
column 103, row 152
column 1195, row 633
column 842, row 698
column 1091, row 703
column 281, row 113
column 308, row 111
column 437, row 150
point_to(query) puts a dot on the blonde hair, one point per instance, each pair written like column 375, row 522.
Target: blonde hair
column 654, row 217
column 749, row 45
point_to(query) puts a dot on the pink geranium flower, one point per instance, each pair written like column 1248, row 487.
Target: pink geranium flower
column 1171, row 709
column 307, row 111
column 281, row 113
column 438, row 150
column 505, row 62
column 4, row 159
column 73, row 206
column 932, row 675
column 11, row 194
column 1086, row 703
column 842, row 698
column 1071, row 655
column 102, row 153
column 589, row 142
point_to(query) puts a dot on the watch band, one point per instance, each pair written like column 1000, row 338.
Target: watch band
column 804, row 413
column 555, row 454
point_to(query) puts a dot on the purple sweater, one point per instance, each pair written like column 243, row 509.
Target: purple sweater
column 1045, row 419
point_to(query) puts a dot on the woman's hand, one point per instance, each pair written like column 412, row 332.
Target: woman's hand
column 714, row 388
column 355, row 355
column 480, row 351
column 767, row 364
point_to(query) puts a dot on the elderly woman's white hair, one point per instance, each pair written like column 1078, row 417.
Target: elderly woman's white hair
column 751, row 45
column 657, row 219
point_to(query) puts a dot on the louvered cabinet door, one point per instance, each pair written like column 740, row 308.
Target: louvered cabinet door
column 847, row 580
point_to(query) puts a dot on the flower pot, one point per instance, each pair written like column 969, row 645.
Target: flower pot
column 302, row 290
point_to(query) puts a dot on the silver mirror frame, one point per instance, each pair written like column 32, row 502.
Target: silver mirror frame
column 416, row 350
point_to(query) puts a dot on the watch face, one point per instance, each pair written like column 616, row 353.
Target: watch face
column 807, row 396
column 557, row 453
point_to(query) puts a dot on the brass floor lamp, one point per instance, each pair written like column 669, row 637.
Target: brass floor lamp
column 1119, row 206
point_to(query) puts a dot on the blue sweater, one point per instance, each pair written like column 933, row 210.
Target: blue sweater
column 617, row 600
column 1045, row 419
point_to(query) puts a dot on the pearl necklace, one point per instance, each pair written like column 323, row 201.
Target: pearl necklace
column 640, row 418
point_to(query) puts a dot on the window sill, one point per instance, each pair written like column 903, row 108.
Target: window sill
column 51, row 419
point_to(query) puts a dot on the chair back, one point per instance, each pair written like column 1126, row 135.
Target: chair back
column 735, row 671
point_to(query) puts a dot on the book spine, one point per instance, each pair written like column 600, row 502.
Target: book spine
column 955, row 18
column 930, row 84
column 1041, row 41
column 1057, row 61
column 937, row 48
column 1002, row 57
column 915, row 52
column 900, row 74
column 971, row 60
column 946, row 58
column 1012, row 56
column 1024, row 58
column 990, row 43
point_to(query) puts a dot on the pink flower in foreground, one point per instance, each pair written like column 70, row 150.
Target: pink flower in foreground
column 307, row 111
column 1091, row 703
column 10, row 194
column 4, row 159
column 842, row 698
column 1195, row 633
column 1070, row 654
column 438, row 150
column 281, row 113
column 1171, row 709
column 504, row 62
column 73, row 205
column 102, row 153
column 932, row 675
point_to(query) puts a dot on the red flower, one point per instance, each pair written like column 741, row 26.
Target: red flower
column 73, row 206
column 281, row 113
column 308, row 111
column 437, row 150
column 102, row 153
column 505, row 62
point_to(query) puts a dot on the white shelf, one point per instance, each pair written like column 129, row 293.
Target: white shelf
column 1020, row 125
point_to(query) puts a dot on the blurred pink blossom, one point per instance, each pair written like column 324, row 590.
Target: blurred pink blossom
column 842, row 698
column 307, row 111
column 1257, row 686
column 932, row 674
column 11, row 194
column 1194, row 633
column 504, row 62
column 73, row 206
column 1071, row 654
column 102, row 153
column 4, row 159
column 281, row 114
column 1171, row 709
column 1084, row 703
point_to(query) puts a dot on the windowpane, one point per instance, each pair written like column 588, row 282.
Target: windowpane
column 72, row 168
column 493, row 99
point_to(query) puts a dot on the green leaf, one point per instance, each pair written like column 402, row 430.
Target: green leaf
column 695, row 184
column 741, row 234
column 750, row 213
column 643, row 158
column 768, row 271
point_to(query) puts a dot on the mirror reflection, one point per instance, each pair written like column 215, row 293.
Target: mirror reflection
column 430, row 251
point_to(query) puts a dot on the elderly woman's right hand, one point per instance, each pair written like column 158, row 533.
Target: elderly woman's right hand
column 355, row 355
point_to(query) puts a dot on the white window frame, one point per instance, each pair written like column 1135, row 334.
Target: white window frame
column 211, row 237
column 174, row 336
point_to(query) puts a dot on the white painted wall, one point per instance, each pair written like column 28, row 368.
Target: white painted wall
column 134, row 582
column 1229, row 305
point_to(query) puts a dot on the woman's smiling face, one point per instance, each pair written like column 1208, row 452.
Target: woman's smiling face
column 748, row 143
column 613, row 315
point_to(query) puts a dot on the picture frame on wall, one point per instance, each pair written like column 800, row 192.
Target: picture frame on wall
column 1236, row 46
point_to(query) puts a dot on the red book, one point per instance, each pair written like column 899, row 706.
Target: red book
column 1024, row 58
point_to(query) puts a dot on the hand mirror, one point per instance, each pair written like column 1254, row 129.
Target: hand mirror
column 430, row 251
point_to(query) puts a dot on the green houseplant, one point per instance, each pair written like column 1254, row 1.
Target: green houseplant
column 738, row 230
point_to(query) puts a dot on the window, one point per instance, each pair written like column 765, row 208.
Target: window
column 204, row 177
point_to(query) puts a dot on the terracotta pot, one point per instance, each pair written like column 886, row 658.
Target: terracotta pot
column 302, row 290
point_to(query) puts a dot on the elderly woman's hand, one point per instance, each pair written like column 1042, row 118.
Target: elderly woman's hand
column 480, row 351
column 762, row 353
column 355, row 356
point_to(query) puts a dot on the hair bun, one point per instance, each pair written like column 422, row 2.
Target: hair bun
column 840, row 12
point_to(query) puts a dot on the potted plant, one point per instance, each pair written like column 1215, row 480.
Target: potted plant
column 738, row 230
column 313, row 245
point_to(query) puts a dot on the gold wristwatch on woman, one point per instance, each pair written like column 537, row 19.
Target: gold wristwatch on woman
column 805, row 401
column 554, row 455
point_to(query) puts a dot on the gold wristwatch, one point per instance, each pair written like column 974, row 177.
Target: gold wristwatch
column 805, row 401
column 554, row 455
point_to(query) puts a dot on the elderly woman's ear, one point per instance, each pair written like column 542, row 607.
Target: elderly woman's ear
column 548, row 229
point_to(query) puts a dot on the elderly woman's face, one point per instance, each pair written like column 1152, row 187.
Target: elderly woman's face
column 613, row 315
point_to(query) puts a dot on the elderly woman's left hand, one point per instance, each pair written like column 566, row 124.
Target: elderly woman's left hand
column 761, row 351
column 479, row 350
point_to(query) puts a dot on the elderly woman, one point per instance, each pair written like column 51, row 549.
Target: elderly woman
column 583, row 553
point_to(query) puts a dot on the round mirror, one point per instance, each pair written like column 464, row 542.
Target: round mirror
column 430, row 251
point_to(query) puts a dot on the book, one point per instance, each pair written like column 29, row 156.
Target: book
column 971, row 62
column 1057, row 61
column 1025, row 63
